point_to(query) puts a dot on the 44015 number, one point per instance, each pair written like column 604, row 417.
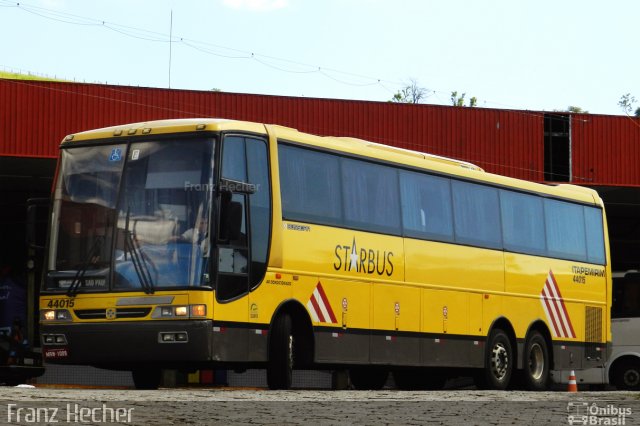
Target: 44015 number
column 61, row 303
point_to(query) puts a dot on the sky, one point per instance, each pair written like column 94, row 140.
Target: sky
column 518, row 54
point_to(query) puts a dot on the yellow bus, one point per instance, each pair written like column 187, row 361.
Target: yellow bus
column 200, row 243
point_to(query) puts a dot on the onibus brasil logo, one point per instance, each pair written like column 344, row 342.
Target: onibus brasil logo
column 583, row 413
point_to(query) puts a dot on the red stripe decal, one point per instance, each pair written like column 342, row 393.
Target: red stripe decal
column 325, row 300
column 552, row 316
column 563, row 306
column 314, row 302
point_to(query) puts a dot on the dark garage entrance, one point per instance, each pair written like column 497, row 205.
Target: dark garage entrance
column 20, row 180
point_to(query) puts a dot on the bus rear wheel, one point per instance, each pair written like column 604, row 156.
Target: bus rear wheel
column 627, row 375
column 536, row 363
column 281, row 354
column 146, row 378
column 498, row 362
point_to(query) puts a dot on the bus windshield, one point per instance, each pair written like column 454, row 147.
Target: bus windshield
column 132, row 217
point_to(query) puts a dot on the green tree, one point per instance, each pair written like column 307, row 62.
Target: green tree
column 412, row 93
column 459, row 100
column 626, row 102
column 576, row 110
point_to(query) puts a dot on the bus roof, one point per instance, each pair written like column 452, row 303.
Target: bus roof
column 349, row 145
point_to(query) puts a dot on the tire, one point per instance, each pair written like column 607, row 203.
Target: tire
column 281, row 354
column 627, row 375
column 368, row 378
column 146, row 378
column 419, row 380
column 536, row 363
column 499, row 362
column 14, row 382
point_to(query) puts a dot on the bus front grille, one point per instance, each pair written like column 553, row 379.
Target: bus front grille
column 89, row 314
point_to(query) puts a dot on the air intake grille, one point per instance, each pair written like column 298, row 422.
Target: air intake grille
column 593, row 331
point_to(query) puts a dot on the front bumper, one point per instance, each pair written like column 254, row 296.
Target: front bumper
column 123, row 343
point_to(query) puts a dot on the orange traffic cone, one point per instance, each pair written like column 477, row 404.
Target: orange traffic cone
column 572, row 386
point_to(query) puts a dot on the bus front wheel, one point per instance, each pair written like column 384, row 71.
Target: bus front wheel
column 281, row 354
column 146, row 378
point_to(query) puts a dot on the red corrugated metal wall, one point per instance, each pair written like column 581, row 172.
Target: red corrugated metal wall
column 605, row 150
column 35, row 116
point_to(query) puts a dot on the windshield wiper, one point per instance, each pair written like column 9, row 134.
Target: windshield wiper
column 139, row 263
column 138, row 259
column 75, row 284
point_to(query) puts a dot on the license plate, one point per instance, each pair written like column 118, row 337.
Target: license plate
column 56, row 353
column 28, row 361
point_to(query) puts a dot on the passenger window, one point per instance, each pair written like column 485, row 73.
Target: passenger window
column 565, row 228
column 595, row 237
column 370, row 198
column 476, row 215
column 522, row 222
column 426, row 206
column 310, row 185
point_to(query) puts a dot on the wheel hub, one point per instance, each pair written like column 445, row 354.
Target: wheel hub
column 631, row 378
column 499, row 361
column 536, row 361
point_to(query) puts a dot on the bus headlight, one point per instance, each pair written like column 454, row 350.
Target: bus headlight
column 55, row 315
column 63, row 315
column 184, row 311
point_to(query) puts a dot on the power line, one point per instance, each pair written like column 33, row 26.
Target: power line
column 336, row 75
column 211, row 49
